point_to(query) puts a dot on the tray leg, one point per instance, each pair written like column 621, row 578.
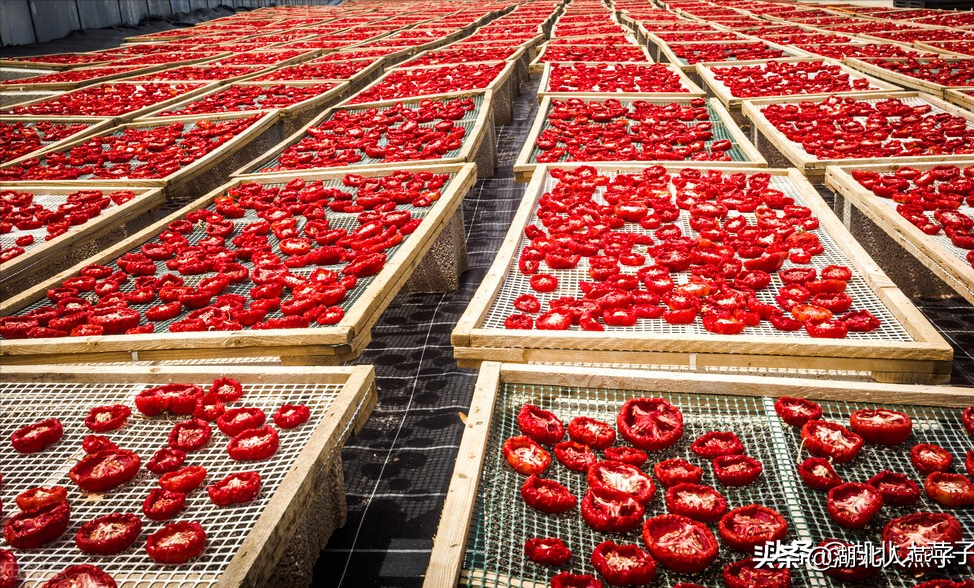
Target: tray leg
column 441, row 267
column 486, row 155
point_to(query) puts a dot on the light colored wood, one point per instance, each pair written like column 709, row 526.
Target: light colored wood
column 450, row 542
column 954, row 270
column 905, row 80
column 29, row 86
column 961, row 97
column 671, row 57
column 524, row 168
column 18, row 62
column 343, row 340
column 95, row 125
column 518, row 54
column 686, row 82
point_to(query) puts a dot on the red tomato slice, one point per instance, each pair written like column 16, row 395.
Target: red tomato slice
column 109, row 534
column 853, row 505
column 526, row 456
column 610, row 512
column 547, row 495
column 671, row 472
column 547, row 552
column 105, row 470
column 679, row 543
column 826, row 439
column 744, row 528
column 650, row 424
column 176, row 543
column 621, row 479
column 746, row 574
column 897, row 489
column 588, row 431
column 928, row 458
column 623, row 565
column 541, row 425
column 881, row 426
column 921, row 528
column 818, row 473
column 575, row 456
column 797, row 411
column 85, row 575
column 700, row 503
column 717, row 443
column 950, row 490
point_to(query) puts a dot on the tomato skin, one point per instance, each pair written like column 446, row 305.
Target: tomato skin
column 166, row 460
column 928, row 458
column 38, row 497
column 161, row 505
column 92, row 473
column 109, row 534
column 569, row 580
column 588, row 431
column 85, row 575
column 950, row 490
column 969, row 462
column 797, row 411
column 623, row 565
column 664, row 421
column 96, row 443
column 967, row 419
column 189, row 435
column 676, row 502
column 541, row 425
column 163, row 549
column 31, row 529
column 745, row 574
column 630, row 455
column 107, row 418
column 185, row 480
column 547, row 496
column 237, row 420
column 609, row 512
column 525, row 456
column 235, row 489
column 673, row 558
column 547, row 552
column 209, row 407
column 290, row 416
column 228, row 389
column 734, row 531
column 935, row 527
column 254, row 444
column 717, row 443
column 896, row 488
column 575, row 456
column 604, row 475
column 677, row 471
column 37, row 436
column 868, row 502
column 8, row 569
column 816, row 435
column 881, row 426
column 818, row 473
column 737, row 470
column 176, row 398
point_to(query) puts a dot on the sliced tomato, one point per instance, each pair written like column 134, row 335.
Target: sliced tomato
column 744, row 528
column 679, row 543
column 176, row 543
column 623, row 565
column 853, row 505
column 185, row 480
column 897, row 489
column 575, row 456
column 525, row 455
column 610, row 512
column 818, row 473
column 967, row 419
column 31, row 529
column 650, row 424
column 9, row 571
column 621, row 479
column 541, row 425
column 676, row 471
column 928, row 458
column 827, row 439
column 950, row 490
column 189, row 435
column 39, row 497
column 594, row 433
column 569, row 580
column 547, row 552
column 547, row 496
column 797, row 411
column 108, row 534
column 107, row 418
column 700, row 503
column 165, row 460
column 626, row 454
column 921, row 529
column 85, row 575
column 746, row 574
column 105, row 470
column 881, row 426
column 737, row 470
column 717, row 443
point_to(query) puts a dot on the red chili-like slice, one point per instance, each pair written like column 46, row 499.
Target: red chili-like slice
column 569, row 580
column 547, row 495
column 185, row 480
column 237, row 420
column 744, row 528
column 594, row 433
column 547, row 552
column 541, row 425
column 235, row 489
column 677, row 471
column 107, row 418
column 852, row 575
column 717, row 443
column 881, row 426
column 31, row 529
column 950, row 490
column 746, row 574
column 736, row 470
column 176, row 398
column 104, row 470
column 921, row 529
column 797, row 411
column 625, row 454
column 610, row 512
column 827, row 439
column 290, row 416
column 39, row 497
column 621, row 479
column 623, row 565
column 9, row 573
column 37, row 436
column 166, row 460
column 254, row 444
column 575, row 456
column 109, row 534
column 928, row 458
column 650, row 424
column 818, row 473
column 228, row 389
column 81, row 576
column 189, row 435
column 176, row 543
column 896, row 489
column 161, row 505
column 853, row 505
column 525, row 455
column 679, row 543
column 700, row 503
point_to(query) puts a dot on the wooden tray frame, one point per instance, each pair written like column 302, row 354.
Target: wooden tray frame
column 468, row 151
column 312, row 346
column 27, row 86
column 267, row 541
column 958, row 274
column 524, row 169
column 537, row 66
column 960, row 98
column 907, row 81
column 665, row 51
column 733, row 104
column 814, row 169
column 450, row 542
column 520, row 56
column 695, row 90
column 927, row 359
column 96, row 124
column 355, row 83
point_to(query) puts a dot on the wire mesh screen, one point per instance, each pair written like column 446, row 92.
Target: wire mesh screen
column 468, row 122
column 718, row 129
column 43, row 131
column 516, row 283
column 502, row 521
column 226, row 527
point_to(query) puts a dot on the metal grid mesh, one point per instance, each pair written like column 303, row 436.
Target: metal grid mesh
column 516, row 283
column 226, row 527
column 44, row 142
column 336, row 220
column 719, row 130
column 468, row 122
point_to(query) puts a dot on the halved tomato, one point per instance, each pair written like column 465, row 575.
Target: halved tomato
column 623, row 565
column 818, row 473
column 541, row 425
column 881, row 426
column 853, row 575
column 797, row 411
column 575, row 456
column 594, row 433
column 621, row 479
column 611, row 513
column 525, row 455
column 744, row 528
column 827, row 439
column 920, row 529
column 897, row 489
column 700, row 503
column 950, row 490
column 675, row 471
column 928, row 458
column 650, row 424
column 680, row 543
column 853, row 505
column 717, row 443
column 547, row 495
column 746, row 574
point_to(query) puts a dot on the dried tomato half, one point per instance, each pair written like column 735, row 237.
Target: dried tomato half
column 525, row 455
column 881, row 425
column 650, row 424
column 700, row 503
column 104, row 470
column 818, row 473
column 237, row 420
column 176, row 398
column 109, row 534
column 569, row 580
column 621, row 479
column 921, row 529
column 950, row 490
column 896, row 489
column 967, row 419
column 209, row 407
column 8, row 569
column 736, row 470
column 928, row 458
column 185, row 480
column 235, row 489
column 161, row 505
column 625, row 454
column 228, row 389
column 31, row 529
column 611, row 513
column 746, row 574
column 594, row 433
column 827, row 439
column 166, row 460
column 107, row 418
column 290, row 416
column 541, row 425
column 96, row 443
column 744, row 528
column 679, row 543
column 176, row 543
column 189, row 435
column 39, row 497
column 852, row 575
column 717, row 443
column 547, row 552
column 85, row 575
column 254, row 444
column 547, row 495
column 853, row 505
column 671, row 472
column 797, row 411
column 575, row 456
column 37, row 436
column 623, row 565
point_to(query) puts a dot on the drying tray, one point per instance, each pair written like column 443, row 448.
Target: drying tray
column 478, row 144
column 14, row 98
column 22, row 73
column 355, row 82
column 518, row 53
column 961, row 97
column 30, row 85
column 722, row 92
column 43, row 258
column 908, row 81
column 742, row 153
column 537, row 66
column 692, row 89
column 484, row 522
column 936, row 252
column 769, row 139
column 316, row 345
column 666, row 52
column 245, row 541
column 49, row 65
column 905, row 348
column 93, row 125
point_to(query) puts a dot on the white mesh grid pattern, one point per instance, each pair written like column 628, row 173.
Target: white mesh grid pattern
column 50, row 202
column 516, row 283
column 226, row 527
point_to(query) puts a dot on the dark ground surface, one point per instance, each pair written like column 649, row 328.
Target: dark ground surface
column 397, row 470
